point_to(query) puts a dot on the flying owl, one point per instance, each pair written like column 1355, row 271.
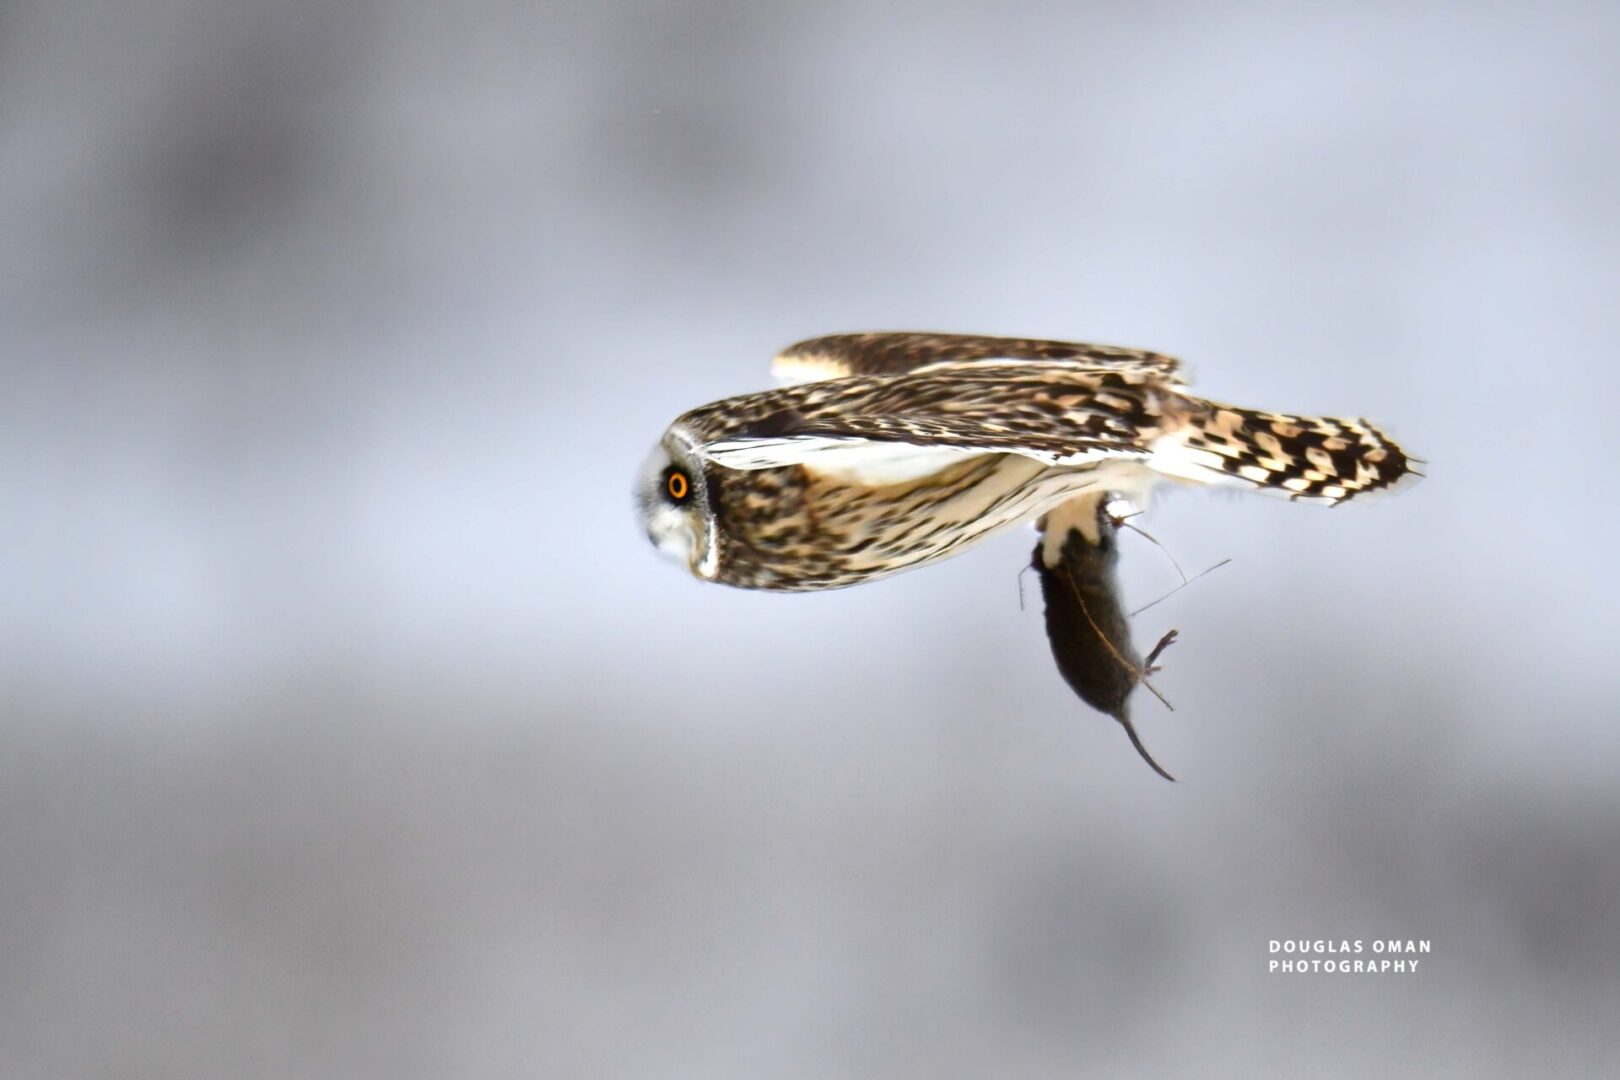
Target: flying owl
column 888, row 451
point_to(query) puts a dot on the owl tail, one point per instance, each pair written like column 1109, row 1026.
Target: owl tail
column 1315, row 458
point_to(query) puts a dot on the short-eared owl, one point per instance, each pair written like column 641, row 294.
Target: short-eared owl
column 891, row 450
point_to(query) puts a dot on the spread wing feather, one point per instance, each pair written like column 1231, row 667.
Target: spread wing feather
column 791, row 439
column 895, row 407
column 1052, row 412
column 840, row 356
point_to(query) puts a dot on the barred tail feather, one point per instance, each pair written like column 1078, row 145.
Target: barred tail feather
column 1312, row 458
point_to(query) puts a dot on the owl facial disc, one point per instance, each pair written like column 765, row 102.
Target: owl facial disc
column 670, row 499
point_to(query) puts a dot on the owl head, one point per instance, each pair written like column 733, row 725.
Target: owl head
column 676, row 504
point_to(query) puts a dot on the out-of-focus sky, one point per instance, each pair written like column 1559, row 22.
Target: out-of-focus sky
column 349, row 726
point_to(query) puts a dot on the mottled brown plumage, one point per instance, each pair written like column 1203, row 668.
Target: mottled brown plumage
column 894, row 450
column 906, row 448
column 889, row 353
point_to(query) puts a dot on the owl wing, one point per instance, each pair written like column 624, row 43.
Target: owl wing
column 885, row 428
column 840, row 356
column 791, row 438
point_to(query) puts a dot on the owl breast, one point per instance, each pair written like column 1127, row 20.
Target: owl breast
column 790, row 529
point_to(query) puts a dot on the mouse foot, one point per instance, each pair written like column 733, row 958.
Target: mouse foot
column 1148, row 666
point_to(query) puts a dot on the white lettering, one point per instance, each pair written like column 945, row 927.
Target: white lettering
column 1332, row 966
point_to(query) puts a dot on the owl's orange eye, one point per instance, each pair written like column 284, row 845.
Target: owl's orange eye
column 677, row 486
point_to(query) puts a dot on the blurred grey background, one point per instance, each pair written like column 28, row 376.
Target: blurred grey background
column 350, row 727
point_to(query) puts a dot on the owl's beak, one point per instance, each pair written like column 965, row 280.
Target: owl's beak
column 674, row 537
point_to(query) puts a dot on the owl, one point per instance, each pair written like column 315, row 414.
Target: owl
column 888, row 451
